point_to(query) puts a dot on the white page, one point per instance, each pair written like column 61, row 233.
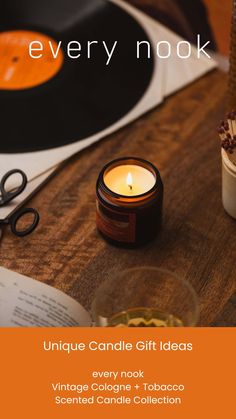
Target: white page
column 25, row 302
column 31, row 188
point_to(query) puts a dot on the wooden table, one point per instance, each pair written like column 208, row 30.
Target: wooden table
column 198, row 241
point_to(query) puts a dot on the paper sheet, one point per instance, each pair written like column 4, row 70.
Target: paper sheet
column 25, row 302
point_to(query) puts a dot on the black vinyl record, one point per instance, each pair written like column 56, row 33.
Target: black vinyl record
column 86, row 95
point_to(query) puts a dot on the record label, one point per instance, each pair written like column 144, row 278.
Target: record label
column 18, row 69
column 47, row 102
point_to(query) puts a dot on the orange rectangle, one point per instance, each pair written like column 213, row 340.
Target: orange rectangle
column 103, row 373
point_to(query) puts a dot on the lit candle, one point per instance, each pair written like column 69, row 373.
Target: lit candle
column 129, row 180
column 129, row 201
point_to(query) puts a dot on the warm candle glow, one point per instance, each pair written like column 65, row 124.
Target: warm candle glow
column 130, row 181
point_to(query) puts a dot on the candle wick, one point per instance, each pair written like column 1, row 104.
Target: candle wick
column 131, row 187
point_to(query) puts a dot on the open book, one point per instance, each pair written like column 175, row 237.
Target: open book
column 25, row 302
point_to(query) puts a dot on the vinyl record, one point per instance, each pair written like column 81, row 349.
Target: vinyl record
column 70, row 99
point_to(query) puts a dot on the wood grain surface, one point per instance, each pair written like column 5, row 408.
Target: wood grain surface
column 198, row 240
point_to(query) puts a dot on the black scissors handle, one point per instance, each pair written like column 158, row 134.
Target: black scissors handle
column 8, row 196
column 16, row 217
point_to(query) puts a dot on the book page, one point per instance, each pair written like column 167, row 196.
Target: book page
column 25, row 302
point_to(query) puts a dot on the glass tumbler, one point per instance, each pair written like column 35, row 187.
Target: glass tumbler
column 145, row 297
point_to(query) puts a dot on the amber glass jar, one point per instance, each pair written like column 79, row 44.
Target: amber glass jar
column 129, row 219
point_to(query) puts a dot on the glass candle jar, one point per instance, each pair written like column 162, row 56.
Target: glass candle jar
column 129, row 202
column 145, row 297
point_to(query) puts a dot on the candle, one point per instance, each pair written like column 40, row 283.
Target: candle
column 129, row 202
column 129, row 180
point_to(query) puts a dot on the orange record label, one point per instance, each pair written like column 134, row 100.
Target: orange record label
column 18, row 69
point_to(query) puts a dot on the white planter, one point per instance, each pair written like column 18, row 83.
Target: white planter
column 228, row 185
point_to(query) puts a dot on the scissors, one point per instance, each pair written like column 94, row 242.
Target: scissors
column 7, row 196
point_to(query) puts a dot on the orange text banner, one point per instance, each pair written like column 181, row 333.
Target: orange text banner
column 104, row 373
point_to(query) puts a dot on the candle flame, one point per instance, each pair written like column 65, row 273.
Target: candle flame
column 130, row 181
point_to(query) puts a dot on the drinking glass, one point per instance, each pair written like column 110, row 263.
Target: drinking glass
column 145, row 297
